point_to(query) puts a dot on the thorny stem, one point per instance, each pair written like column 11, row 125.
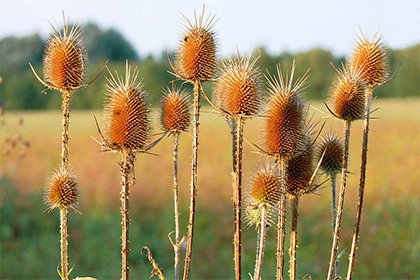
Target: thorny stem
column 260, row 247
column 64, row 244
column 334, row 214
column 65, row 129
column 176, row 203
column 193, row 192
column 340, row 200
column 281, row 226
column 362, row 184
column 294, row 201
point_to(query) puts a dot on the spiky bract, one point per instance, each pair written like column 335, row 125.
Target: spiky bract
column 127, row 111
column 332, row 162
column 196, row 56
column 64, row 59
column 175, row 110
column 239, row 89
column 370, row 56
column 62, row 190
column 285, row 116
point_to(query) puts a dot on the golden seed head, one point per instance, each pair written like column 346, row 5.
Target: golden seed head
column 127, row 111
column 62, row 190
column 64, row 58
column 347, row 95
column 283, row 129
column 175, row 110
column 196, row 56
column 370, row 56
column 332, row 162
column 238, row 91
column 300, row 170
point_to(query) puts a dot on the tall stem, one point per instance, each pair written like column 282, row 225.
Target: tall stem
column 262, row 234
column 293, row 236
column 176, row 202
column 362, row 184
column 281, row 226
column 65, row 129
column 64, row 244
column 193, row 192
column 334, row 214
column 340, row 200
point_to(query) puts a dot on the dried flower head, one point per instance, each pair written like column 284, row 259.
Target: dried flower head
column 370, row 55
column 239, row 89
column 332, row 162
column 285, row 115
column 64, row 58
column 175, row 110
column 62, row 190
column 127, row 111
column 196, row 56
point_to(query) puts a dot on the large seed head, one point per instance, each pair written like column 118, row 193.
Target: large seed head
column 300, row 170
column 175, row 110
column 127, row 111
column 62, row 190
column 196, row 56
column 64, row 59
column 239, row 90
column 332, row 162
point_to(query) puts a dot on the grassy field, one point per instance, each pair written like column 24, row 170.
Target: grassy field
column 389, row 244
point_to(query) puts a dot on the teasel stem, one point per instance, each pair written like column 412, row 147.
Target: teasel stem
column 261, row 243
column 340, row 200
column 64, row 244
column 281, row 226
column 362, row 183
column 127, row 179
column 334, row 214
column 294, row 202
column 193, row 193
column 176, row 203
column 65, row 129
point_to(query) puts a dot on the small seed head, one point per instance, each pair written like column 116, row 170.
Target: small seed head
column 300, row 170
column 332, row 162
column 175, row 110
column 62, row 190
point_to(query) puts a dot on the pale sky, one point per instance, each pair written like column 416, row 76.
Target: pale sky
column 155, row 26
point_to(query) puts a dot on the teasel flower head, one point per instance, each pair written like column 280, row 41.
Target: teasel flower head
column 238, row 91
column 62, row 190
column 175, row 110
column 127, row 111
column 333, row 149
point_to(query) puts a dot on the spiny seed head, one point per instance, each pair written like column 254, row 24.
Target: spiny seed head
column 283, row 129
column 175, row 110
column 62, row 190
column 332, row 162
column 370, row 55
column 196, row 56
column 347, row 94
column 300, row 170
column 127, row 111
column 238, row 91
column 65, row 58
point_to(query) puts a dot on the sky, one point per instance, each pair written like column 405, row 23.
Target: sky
column 156, row 26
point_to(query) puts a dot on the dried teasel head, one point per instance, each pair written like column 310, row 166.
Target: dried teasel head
column 128, row 121
column 196, row 56
column 175, row 110
column 62, row 190
column 347, row 95
column 238, row 91
column 370, row 56
column 65, row 58
column 332, row 162
column 285, row 115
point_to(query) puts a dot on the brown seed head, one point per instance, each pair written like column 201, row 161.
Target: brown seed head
column 62, row 190
column 238, row 91
column 175, row 110
column 300, row 170
column 64, row 58
column 128, row 124
column 332, row 162
column 283, row 131
column 196, row 56
column 370, row 56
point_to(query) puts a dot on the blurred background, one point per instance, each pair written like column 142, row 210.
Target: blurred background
column 314, row 33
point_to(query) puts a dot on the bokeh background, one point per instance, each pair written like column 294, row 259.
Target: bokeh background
column 313, row 33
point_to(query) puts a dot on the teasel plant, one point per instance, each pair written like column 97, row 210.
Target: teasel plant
column 261, row 197
column 330, row 152
column 371, row 56
column 175, row 119
column 347, row 100
column 195, row 63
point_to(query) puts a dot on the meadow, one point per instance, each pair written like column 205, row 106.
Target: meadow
column 389, row 242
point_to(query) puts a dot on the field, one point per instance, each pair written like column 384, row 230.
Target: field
column 389, row 244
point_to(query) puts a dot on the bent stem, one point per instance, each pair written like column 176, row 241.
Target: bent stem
column 334, row 213
column 340, row 200
column 294, row 201
column 362, row 184
column 281, row 226
column 261, row 243
column 65, row 129
column 176, row 203
column 64, row 244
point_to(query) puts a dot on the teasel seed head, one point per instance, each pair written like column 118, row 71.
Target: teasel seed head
column 128, row 115
column 285, row 115
column 370, row 55
column 238, row 91
column 175, row 110
column 332, row 162
column 196, row 56
column 65, row 58
column 62, row 190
